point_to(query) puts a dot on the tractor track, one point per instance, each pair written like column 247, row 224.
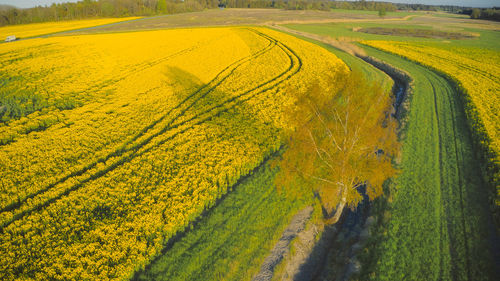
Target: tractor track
column 456, row 154
column 457, row 180
column 100, row 86
column 124, row 147
column 126, row 154
column 440, row 188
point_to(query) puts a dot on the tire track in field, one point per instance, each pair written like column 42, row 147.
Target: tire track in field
column 456, row 210
column 446, row 184
column 136, row 69
column 217, row 80
column 446, row 227
column 446, row 188
column 439, row 189
column 294, row 68
column 452, row 136
column 139, row 149
column 210, row 86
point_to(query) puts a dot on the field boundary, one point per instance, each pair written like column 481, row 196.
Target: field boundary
column 206, row 211
column 318, row 256
column 481, row 141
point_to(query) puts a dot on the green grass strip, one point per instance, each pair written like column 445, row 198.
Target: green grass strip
column 440, row 225
column 232, row 241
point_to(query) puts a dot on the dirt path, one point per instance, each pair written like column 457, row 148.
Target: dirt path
column 296, row 226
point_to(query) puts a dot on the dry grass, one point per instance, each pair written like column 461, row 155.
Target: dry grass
column 413, row 32
column 218, row 17
column 342, row 43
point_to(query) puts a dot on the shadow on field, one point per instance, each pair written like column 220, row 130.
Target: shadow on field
column 232, row 121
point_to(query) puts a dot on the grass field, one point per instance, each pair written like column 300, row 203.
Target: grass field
column 441, row 226
column 477, row 77
column 231, row 17
column 370, row 72
column 440, row 192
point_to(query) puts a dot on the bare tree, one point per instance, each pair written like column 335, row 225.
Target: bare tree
column 343, row 139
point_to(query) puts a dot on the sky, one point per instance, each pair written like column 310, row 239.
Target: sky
column 32, row 3
column 468, row 3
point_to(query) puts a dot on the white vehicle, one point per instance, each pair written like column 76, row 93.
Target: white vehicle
column 10, row 38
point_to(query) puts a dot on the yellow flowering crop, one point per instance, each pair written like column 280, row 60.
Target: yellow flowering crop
column 37, row 29
column 124, row 139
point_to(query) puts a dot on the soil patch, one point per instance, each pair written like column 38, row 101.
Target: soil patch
column 414, row 32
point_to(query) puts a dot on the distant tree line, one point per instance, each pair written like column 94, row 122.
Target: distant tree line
column 121, row 8
column 423, row 7
column 486, row 14
column 325, row 5
column 101, row 8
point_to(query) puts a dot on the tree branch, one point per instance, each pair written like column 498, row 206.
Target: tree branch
column 317, row 151
column 329, row 132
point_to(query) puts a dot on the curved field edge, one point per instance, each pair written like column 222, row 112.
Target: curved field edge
column 371, row 73
column 437, row 220
column 202, row 118
column 186, row 123
column 482, row 141
column 223, row 258
column 440, row 192
column 292, row 261
column 234, row 238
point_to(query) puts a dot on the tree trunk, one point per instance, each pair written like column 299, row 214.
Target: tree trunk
column 338, row 212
